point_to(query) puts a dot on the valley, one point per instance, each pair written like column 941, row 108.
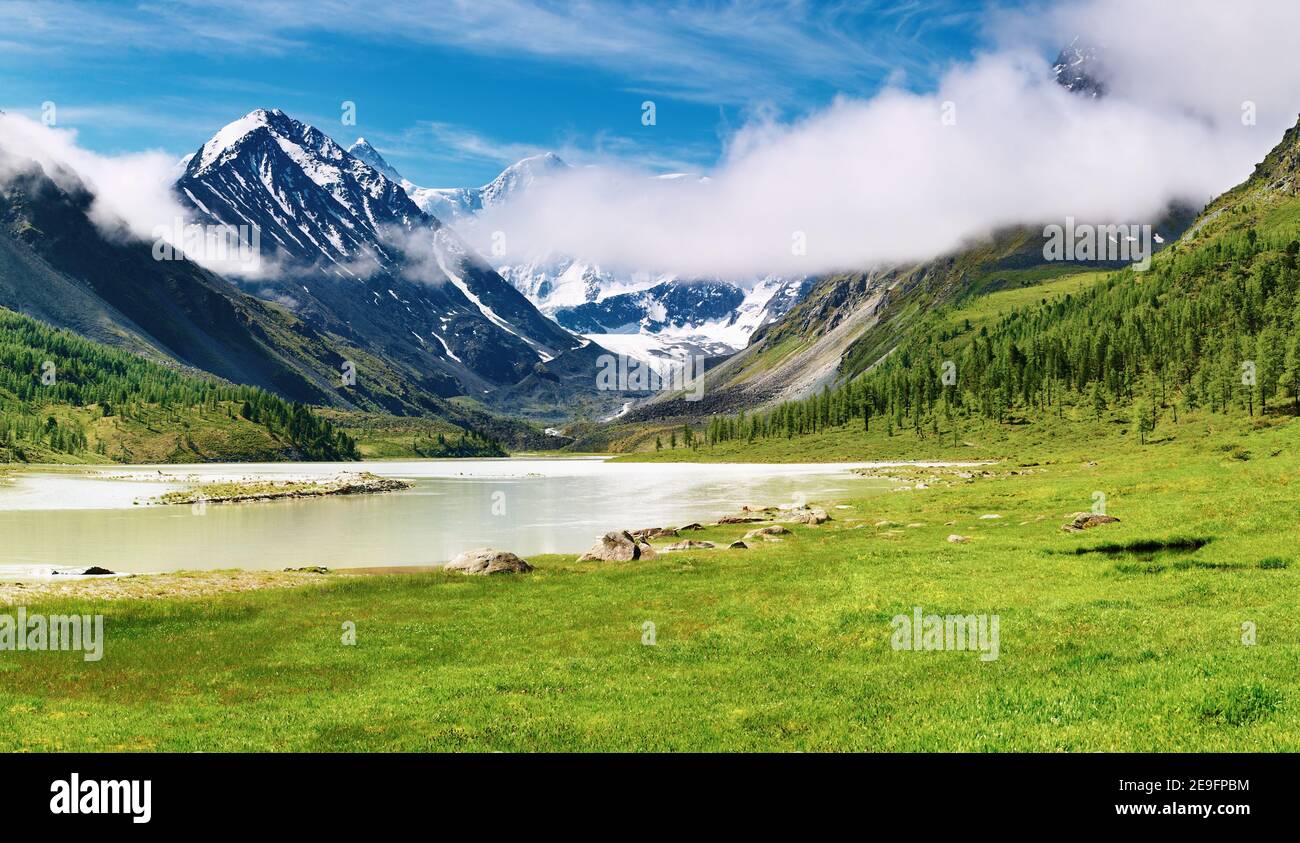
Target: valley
column 1091, row 458
column 1105, row 645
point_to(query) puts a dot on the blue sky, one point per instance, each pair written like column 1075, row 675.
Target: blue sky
column 453, row 91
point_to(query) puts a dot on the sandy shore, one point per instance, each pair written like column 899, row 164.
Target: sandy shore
column 148, row 586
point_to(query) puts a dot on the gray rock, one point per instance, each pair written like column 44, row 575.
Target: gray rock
column 647, row 533
column 738, row 546
column 766, row 533
column 691, row 544
column 1084, row 520
column 485, row 560
column 618, row 546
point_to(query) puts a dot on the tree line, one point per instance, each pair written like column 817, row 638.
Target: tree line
column 43, row 369
column 1216, row 327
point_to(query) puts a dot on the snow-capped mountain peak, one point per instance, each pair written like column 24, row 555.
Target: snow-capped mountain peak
column 224, row 142
column 352, row 253
column 1078, row 69
column 228, row 141
column 364, row 152
column 521, row 176
column 310, row 197
column 646, row 313
column 452, row 204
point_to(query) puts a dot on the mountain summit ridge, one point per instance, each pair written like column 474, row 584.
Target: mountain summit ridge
column 351, row 253
column 651, row 315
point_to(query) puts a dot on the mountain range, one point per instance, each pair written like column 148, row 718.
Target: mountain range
column 353, row 278
column 362, row 273
column 845, row 323
column 654, row 316
column 353, row 254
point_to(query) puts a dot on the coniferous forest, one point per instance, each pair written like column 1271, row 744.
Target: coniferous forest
column 1214, row 327
column 54, row 385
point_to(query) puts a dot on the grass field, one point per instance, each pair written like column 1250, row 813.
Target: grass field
column 386, row 437
column 782, row 647
column 160, row 435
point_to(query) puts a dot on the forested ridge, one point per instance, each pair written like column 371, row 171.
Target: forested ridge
column 44, row 373
column 1214, row 326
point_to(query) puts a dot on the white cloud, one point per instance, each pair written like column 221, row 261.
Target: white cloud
column 132, row 193
column 868, row 182
column 1200, row 56
column 132, row 196
column 873, row 181
column 710, row 52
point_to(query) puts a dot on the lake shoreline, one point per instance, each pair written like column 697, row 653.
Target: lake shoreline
column 182, row 584
column 527, row 507
column 158, row 586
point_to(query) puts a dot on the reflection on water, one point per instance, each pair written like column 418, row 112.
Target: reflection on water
column 527, row 506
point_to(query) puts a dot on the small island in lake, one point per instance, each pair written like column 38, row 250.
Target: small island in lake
column 242, row 491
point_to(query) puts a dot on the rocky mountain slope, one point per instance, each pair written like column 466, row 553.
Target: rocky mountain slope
column 847, row 322
column 351, row 253
column 57, row 266
column 650, row 315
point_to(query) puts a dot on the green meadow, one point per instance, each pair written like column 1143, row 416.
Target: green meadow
column 1130, row 636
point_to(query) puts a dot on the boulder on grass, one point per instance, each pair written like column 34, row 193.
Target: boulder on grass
column 813, row 515
column 618, row 546
column 956, row 539
column 738, row 546
column 485, row 560
column 767, row 533
column 691, row 544
column 647, row 533
column 1084, row 520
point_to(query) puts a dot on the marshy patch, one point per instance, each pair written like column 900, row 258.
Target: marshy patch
column 1188, row 564
column 1147, row 547
column 1242, row 705
column 1112, row 604
column 1140, row 568
column 1155, row 556
column 1085, row 659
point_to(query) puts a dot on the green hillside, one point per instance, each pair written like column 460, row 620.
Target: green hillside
column 380, row 436
column 67, row 399
column 1213, row 328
